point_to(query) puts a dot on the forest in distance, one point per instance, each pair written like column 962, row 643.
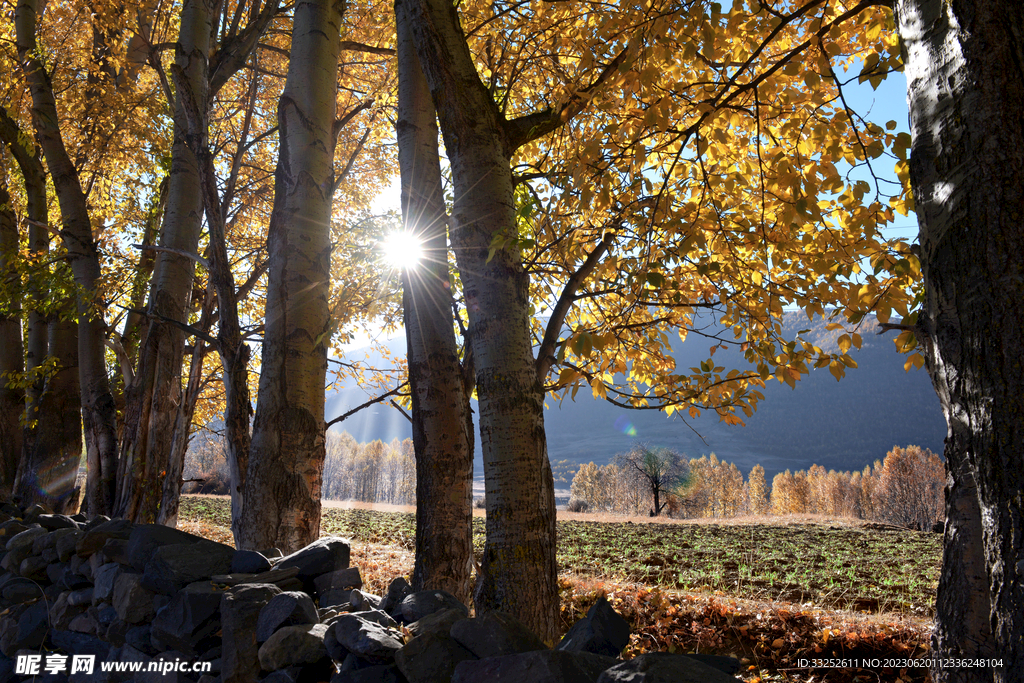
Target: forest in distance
column 187, row 235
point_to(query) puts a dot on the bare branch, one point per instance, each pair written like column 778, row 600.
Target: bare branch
column 394, row 392
column 180, row 252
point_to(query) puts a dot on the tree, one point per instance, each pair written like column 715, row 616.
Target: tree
column 12, row 396
column 967, row 172
column 661, row 471
column 757, row 492
column 441, row 418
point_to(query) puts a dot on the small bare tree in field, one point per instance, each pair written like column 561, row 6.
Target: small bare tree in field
column 658, row 470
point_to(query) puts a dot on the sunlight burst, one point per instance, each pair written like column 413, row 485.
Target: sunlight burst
column 402, row 250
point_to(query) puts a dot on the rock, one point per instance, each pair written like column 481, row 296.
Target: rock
column 249, row 562
column 32, row 627
column 495, row 634
column 139, row 638
column 290, row 674
column 104, row 615
column 172, row 567
column 33, row 511
column 338, row 580
column 80, row 644
column 361, row 600
column 66, row 544
column 55, row 571
column 293, row 645
column 601, row 632
column 82, row 596
column 20, row 590
column 50, row 540
column 397, row 591
column 25, row 539
column 380, row 618
column 53, row 522
column 322, row 556
column 431, row 658
column 84, row 623
column 189, row 622
column 371, row 674
column 72, row 580
column 115, row 550
column 97, row 535
column 418, row 605
column 105, row 577
column 34, row 568
column 365, row 638
column 334, row 598
column 49, row 555
column 540, row 666
column 438, row 622
column 133, row 602
column 62, row 612
column 239, row 612
column 146, row 538
column 662, row 667
column 286, row 609
column 725, row 664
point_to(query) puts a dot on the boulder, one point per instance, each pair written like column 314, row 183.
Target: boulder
column 32, row 627
column 371, row 674
column 249, row 562
column 540, row 666
column 723, row 663
column 34, row 568
column 80, row 644
column 240, row 608
column 431, row 658
column 50, row 540
column 53, row 522
column 293, row 646
column 72, row 580
column 361, row 600
column 62, row 611
column 438, row 622
column 146, row 538
column 25, row 540
column 495, row 634
column 662, row 667
column 139, row 639
column 115, row 550
column 322, row 556
column 66, row 544
column 364, row 638
column 132, row 600
column 601, row 632
column 334, row 598
column 84, row 623
column 96, row 536
column 82, row 596
column 418, row 605
column 20, row 590
column 338, row 580
column 397, row 591
column 105, row 577
column 189, row 622
column 292, row 608
column 172, row 567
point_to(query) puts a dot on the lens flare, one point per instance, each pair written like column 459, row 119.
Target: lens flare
column 402, row 250
column 625, row 426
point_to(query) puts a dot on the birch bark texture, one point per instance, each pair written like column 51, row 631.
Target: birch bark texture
column 442, row 429
column 965, row 79
column 518, row 574
column 98, row 410
column 281, row 499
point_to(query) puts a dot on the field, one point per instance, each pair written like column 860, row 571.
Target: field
column 768, row 591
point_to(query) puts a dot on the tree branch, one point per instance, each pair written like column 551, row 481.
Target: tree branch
column 180, row 252
column 394, row 392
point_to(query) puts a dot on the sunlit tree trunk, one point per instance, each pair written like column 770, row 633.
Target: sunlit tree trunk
column 518, row 574
column 98, row 410
column 442, row 427
column 965, row 84
column 153, row 398
column 12, row 361
column 281, row 496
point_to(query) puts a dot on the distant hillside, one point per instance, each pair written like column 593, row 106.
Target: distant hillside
column 841, row 425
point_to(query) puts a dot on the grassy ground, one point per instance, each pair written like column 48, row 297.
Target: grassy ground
column 771, row 592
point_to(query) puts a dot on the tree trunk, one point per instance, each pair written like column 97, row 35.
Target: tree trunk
column 442, row 429
column 12, row 360
column 519, row 573
column 966, row 91
column 98, row 410
column 281, row 500
column 153, row 399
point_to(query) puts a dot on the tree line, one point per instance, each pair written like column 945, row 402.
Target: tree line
column 189, row 179
column 905, row 488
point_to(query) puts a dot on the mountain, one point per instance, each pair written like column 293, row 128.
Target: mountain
column 841, row 425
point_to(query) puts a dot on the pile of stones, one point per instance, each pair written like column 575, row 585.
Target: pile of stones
column 147, row 593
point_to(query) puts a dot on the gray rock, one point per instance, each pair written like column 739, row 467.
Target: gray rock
column 338, row 580
column 293, row 646
column 322, row 556
column 115, row 550
column 62, row 612
column 32, row 627
column 725, row 664
column 25, row 539
column 601, row 632
column 189, row 622
column 438, row 622
column 95, row 537
column 55, row 571
column 431, row 658
column 291, row 608
column 418, row 605
column 172, row 567
column 146, row 538
column 361, row 600
column 84, row 623
column 495, row 634
column 53, row 522
column 49, row 540
column 364, row 638
column 72, row 580
column 10, row 560
column 139, row 639
column 371, row 674
column 105, row 577
column 49, row 555
column 291, row 674
column 334, row 598
column 82, row 596
column 397, row 591
column 20, row 590
column 249, row 562
column 380, row 618
column 239, row 612
column 80, row 644
column 66, row 544
column 104, row 615
column 540, row 666
column 34, row 568
column 133, row 602
column 661, row 667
